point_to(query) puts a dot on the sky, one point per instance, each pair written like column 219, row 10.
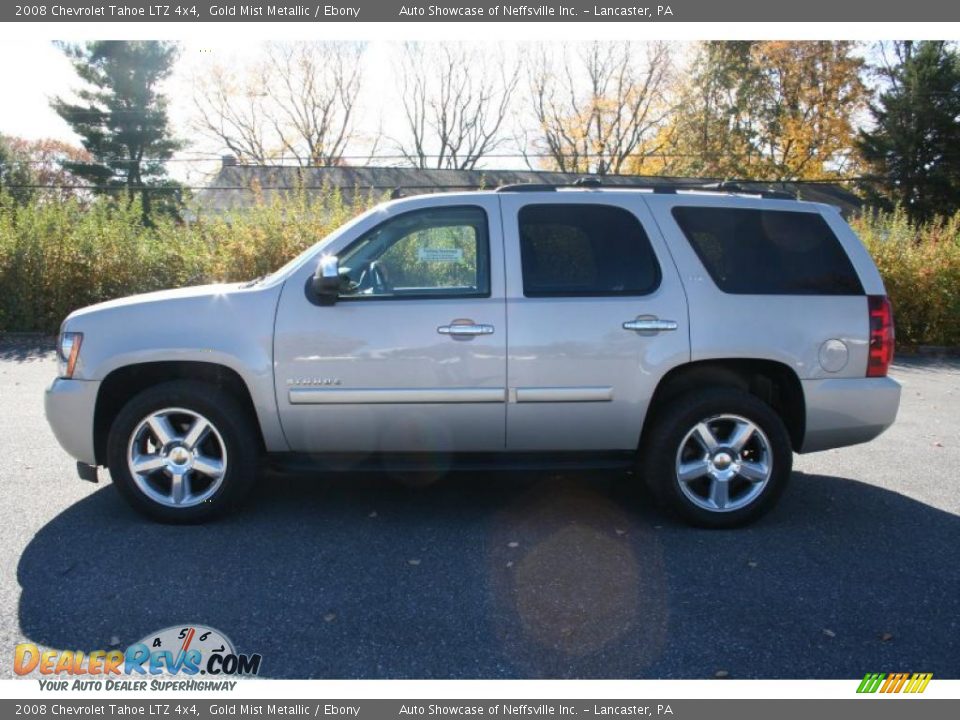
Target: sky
column 379, row 106
column 28, row 113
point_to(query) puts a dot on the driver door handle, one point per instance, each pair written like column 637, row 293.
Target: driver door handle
column 459, row 328
column 650, row 325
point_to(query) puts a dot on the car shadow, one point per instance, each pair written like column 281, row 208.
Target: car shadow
column 511, row 575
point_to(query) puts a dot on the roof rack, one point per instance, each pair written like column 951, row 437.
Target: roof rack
column 658, row 189
column 527, row 187
column 587, row 182
column 727, row 186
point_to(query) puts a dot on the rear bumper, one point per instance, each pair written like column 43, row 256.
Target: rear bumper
column 847, row 411
column 69, row 406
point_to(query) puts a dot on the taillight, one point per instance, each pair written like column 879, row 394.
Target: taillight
column 881, row 336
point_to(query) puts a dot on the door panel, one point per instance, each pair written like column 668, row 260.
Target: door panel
column 424, row 373
column 577, row 379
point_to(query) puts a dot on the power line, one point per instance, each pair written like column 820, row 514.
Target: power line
column 294, row 162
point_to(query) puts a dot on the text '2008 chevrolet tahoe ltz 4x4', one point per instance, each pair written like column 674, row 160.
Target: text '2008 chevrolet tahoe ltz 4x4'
column 702, row 336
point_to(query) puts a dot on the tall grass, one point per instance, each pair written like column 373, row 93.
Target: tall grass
column 58, row 256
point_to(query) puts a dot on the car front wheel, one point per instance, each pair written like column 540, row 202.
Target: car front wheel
column 182, row 451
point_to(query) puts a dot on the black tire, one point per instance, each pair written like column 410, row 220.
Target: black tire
column 671, row 425
column 231, row 422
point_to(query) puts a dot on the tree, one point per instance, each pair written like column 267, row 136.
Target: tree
column 601, row 106
column 914, row 146
column 769, row 110
column 15, row 176
column 35, row 169
column 455, row 101
column 121, row 116
column 813, row 92
column 297, row 101
column 712, row 135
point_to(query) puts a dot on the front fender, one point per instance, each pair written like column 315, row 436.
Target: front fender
column 233, row 328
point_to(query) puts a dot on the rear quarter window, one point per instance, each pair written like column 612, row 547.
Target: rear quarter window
column 768, row 252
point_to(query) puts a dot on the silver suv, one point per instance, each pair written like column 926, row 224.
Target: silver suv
column 701, row 336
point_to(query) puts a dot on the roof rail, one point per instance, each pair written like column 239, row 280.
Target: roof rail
column 527, row 187
column 724, row 186
column 727, row 186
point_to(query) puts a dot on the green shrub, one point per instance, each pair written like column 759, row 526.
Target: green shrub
column 56, row 257
column 920, row 266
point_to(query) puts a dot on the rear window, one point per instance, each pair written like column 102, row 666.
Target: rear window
column 580, row 249
column 768, row 252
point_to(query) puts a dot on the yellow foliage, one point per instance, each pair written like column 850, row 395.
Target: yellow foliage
column 772, row 110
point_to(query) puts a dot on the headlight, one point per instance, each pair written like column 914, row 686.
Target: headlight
column 68, row 352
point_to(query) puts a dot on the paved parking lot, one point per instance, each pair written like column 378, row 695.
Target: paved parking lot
column 503, row 575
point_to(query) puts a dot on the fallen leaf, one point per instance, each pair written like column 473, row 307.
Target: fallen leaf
column 886, row 637
column 513, row 544
column 752, row 563
column 829, row 633
column 510, row 564
column 414, row 561
column 620, row 532
column 114, row 640
column 938, row 444
column 721, row 674
column 329, row 617
column 373, row 513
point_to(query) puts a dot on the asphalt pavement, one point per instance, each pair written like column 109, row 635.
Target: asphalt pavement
column 507, row 575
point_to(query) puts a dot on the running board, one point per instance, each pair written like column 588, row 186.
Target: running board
column 461, row 462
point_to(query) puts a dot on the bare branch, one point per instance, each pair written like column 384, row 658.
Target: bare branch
column 299, row 101
column 600, row 106
column 455, row 102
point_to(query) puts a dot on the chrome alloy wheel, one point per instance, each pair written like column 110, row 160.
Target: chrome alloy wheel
column 177, row 457
column 724, row 462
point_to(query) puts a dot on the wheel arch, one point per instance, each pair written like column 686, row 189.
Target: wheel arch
column 124, row 382
column 771, row 381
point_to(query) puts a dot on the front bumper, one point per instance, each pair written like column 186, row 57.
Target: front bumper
column 70, row 406
column 847, row 411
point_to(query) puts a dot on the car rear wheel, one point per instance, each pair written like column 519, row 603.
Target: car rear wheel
column 182, row 451
column 718, row 458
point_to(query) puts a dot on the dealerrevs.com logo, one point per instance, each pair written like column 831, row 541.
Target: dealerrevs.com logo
column 910, row 683
column 171, row 659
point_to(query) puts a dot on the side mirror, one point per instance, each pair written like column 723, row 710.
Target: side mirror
column 326, row 280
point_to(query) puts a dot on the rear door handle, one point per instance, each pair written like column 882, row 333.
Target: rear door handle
column 458, row 329
column 650, row 325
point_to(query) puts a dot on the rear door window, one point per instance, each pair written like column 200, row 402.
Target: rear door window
column 768, row 252
column 585, row 250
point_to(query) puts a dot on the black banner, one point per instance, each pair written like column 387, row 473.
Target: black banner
column 474, row 11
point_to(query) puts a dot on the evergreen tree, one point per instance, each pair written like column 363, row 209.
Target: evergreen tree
column 122, row 118
column 914, row 147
